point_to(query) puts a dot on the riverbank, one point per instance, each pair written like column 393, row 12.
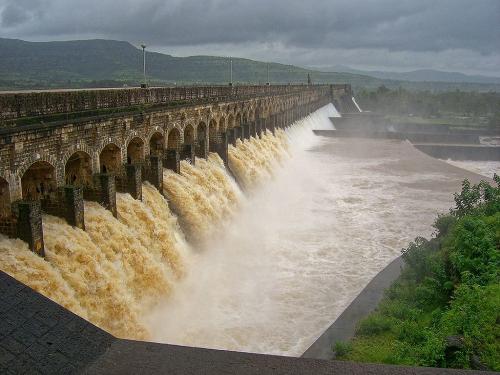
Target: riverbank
column 443, row 311
column 344, row 327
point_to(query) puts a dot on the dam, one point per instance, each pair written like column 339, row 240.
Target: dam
column 210, row 218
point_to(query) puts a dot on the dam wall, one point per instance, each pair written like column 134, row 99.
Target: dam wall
column 461, row 152
column 58, row 148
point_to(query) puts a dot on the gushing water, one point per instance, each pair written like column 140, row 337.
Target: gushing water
column 254, row 161
column 305, row 243
column 203, row 196
column 113, row 272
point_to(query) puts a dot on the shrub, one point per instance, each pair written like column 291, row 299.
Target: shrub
column 374, row 324
column 341, row 348
column 399, row 310
column 473, row 250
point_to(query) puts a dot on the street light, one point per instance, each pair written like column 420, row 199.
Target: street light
column 230, row 71
column 145, row 84
column 268, row 82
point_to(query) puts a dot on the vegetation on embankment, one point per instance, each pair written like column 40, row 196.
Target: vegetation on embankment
column 444, row 310
column 456, row 108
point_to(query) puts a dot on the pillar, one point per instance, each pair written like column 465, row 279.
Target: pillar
column 237, row 134
column 271, row 123
column 188, row 154
column 29, row 225
column 155, row 173
column 222, row 147
column 134, row 180
column 74, row 210
column 202, row 149
column 106, row 188
column 172, row 160
column 259, row 125
column 231, row 138
column 252, row 129
column 246, row 131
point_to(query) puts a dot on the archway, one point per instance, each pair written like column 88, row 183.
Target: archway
column 78, row 169
column 39, row 181
column 212, row 135
column 110, row 159
column 135, row 151
column 4, row 198
column 201, row 140
column 230, row 122
column 188, row 135
column 157, row 144
column 238, row 128
column 174, row 138
column 222, row 125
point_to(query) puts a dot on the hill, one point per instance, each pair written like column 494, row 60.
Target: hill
column 422, row 75
column 109, row 63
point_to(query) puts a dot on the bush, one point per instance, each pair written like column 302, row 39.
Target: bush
column 341, row 348
column 474, row 313
column 399, row 310
column 374, row 324
column 473, row 251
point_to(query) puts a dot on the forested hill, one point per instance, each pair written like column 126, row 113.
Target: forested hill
column 80, row 62
column 91, row 63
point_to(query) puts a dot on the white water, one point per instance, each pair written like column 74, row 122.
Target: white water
column 303, row 246
column 356, row 104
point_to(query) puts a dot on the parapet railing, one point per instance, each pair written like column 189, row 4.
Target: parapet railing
column 16, row 105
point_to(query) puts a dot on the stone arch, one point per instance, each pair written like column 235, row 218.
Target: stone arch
column 110, row 159
column 212, row 128
column 33, row 158
column 135, row 150
column 157, row 144
column 189, row 134
column 222, row 125
column 173, row 139
column 201, row 140
column 39, row 181
column 4, row 198
column 230, row 122
column 72, row 150
column 78, row 169
column 212, row 134
column 201, row 131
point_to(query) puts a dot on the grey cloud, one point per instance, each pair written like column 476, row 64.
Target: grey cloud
column 392, row 26
column 16, row 13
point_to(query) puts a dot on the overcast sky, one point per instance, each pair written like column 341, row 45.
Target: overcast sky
column 397, row 35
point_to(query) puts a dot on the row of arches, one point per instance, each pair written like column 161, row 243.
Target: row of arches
column 40, row 179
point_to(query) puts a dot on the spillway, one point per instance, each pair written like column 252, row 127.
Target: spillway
column 306, row 242
column 262, row 259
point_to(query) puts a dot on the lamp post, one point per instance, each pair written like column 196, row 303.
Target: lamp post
column 145, row 84
column 230, row 71
column 268, row 82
